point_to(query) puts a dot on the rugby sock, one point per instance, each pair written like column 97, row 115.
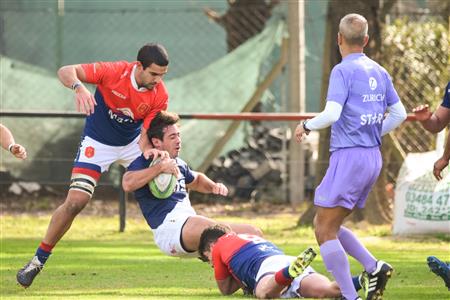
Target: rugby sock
column 356, row 283
column 357, row 250
column 283, row 278
column 337, row 264
column 43, row 252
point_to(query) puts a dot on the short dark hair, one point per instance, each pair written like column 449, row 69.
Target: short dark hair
column 162, row 120
column 209, row 236
column 153, row 53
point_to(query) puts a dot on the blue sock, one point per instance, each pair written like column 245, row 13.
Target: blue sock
column 356, row 283
column 42, row 255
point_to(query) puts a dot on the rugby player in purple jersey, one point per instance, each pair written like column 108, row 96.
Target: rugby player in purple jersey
column 359, row 94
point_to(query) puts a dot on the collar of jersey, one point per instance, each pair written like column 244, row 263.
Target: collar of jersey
column 134, row 83
column 352, row 56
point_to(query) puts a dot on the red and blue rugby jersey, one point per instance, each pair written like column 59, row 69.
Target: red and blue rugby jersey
column 121, row 106
column 241, row 255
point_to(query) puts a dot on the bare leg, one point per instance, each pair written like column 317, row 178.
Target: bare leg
column 327, row 224
column 318, row 286
column 245, row 228
column 268, row 288
column 328, row 221
column 64, row 215
column 192, row 231
column 195, row 225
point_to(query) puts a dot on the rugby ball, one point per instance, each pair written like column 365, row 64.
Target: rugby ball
column 163, row 185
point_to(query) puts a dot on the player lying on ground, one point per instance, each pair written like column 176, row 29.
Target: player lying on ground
column 261, row 268
column 176, row 226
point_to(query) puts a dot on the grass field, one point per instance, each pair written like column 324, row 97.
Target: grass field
column 95, row 261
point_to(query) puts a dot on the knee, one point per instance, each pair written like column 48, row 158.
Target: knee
column 322, row 233
column 75, row 202
column 325, row 230
column 318, row 231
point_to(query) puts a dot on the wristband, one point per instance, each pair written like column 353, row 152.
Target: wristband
column 10, row 147
column 75, row 85
column 307, row 131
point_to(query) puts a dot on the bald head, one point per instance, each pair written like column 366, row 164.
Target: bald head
column 353, row 28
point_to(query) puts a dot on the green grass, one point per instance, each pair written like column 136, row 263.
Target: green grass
column 95, row 261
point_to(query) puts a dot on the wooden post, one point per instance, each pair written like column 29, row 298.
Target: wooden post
column 123, row 197
column 296, row 161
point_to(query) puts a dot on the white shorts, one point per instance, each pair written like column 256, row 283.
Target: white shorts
column 273, row 264
column 168, row 235
column 94, row 158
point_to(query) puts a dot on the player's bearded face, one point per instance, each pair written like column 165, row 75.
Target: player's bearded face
column 151, row 76
column 172, row 140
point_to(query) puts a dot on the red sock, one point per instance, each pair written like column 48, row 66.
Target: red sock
column 282, row 277
column 46, row 247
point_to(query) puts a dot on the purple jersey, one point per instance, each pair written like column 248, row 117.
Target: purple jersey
column 364, row 89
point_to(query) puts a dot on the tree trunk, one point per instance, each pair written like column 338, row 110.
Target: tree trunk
column 377, row 209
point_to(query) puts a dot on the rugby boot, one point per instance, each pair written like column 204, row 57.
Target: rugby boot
column 301, row 262
column 26, row 275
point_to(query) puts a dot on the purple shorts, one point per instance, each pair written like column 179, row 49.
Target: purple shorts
column 350, row 176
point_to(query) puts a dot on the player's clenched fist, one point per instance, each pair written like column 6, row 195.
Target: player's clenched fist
column 220, row 189
column 18, row 151
column 300, row 133
column 170, row 166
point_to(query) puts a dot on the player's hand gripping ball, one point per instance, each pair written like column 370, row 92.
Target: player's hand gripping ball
column 163, row 185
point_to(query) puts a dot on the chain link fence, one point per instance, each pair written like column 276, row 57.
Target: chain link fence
column 416, row 52
column 37, row 37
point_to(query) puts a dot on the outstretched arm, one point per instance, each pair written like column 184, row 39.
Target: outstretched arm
column 203, row 184
column 8, row 143
column 442, row 162
column 433, row 122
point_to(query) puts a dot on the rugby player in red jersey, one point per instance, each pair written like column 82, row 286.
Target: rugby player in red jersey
column 260, row 268
column 127, row 97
